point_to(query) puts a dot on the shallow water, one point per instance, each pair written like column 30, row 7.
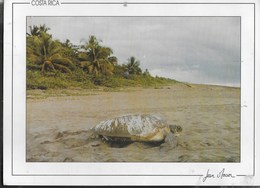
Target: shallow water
column 57, row 128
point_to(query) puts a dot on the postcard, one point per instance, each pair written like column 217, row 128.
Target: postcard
column 131, row 92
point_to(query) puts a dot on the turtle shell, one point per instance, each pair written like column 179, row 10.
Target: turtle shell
column 130, row 125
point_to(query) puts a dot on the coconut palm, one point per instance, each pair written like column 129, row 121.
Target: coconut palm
column 44, row 28
column 69, row 50
column 146, row 73
column 67, row 44
column 45, row 52
column 132, row 66
column 36, row 31
column 97, row 59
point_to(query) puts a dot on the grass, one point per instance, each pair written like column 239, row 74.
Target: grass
column 39, row 81
column 43, row 94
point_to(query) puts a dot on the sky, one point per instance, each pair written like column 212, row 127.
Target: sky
column 204, row 50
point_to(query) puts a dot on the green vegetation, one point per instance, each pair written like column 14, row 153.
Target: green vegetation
column 52, row 64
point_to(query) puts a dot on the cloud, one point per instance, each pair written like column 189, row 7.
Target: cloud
column 192, row 49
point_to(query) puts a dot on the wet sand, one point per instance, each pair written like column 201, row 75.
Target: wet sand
column 58, row 127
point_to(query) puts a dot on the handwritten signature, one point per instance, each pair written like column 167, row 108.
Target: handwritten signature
column 219, row 175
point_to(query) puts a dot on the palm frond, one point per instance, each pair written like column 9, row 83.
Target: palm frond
column 86, row 66
column 113, row 60
column 55, row 56
column 31, row 66
column 85, row 63
column 62, row 68
column 47, row 65
column 65, row 62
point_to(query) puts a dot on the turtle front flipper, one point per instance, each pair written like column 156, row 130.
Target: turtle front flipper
column 170, row 141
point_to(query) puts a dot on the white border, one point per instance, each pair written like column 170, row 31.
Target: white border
column 17, row 171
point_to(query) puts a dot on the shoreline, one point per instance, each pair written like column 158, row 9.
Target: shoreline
column 77, row 91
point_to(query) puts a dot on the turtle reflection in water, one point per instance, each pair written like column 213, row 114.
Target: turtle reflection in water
column 137, row 128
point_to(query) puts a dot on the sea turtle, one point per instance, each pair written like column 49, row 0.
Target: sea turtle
column 140, row 128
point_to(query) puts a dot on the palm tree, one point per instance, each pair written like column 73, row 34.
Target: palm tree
column 67, row 44
column 36, row 31
column 133, row 66
column 44, row 52
column 146, row 73
column 69, row 50
column 44, row 28
column 97, row 59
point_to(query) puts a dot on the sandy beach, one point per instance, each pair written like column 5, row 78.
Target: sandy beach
column 57, row 127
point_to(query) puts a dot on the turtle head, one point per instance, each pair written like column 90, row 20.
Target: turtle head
column 175, row 129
